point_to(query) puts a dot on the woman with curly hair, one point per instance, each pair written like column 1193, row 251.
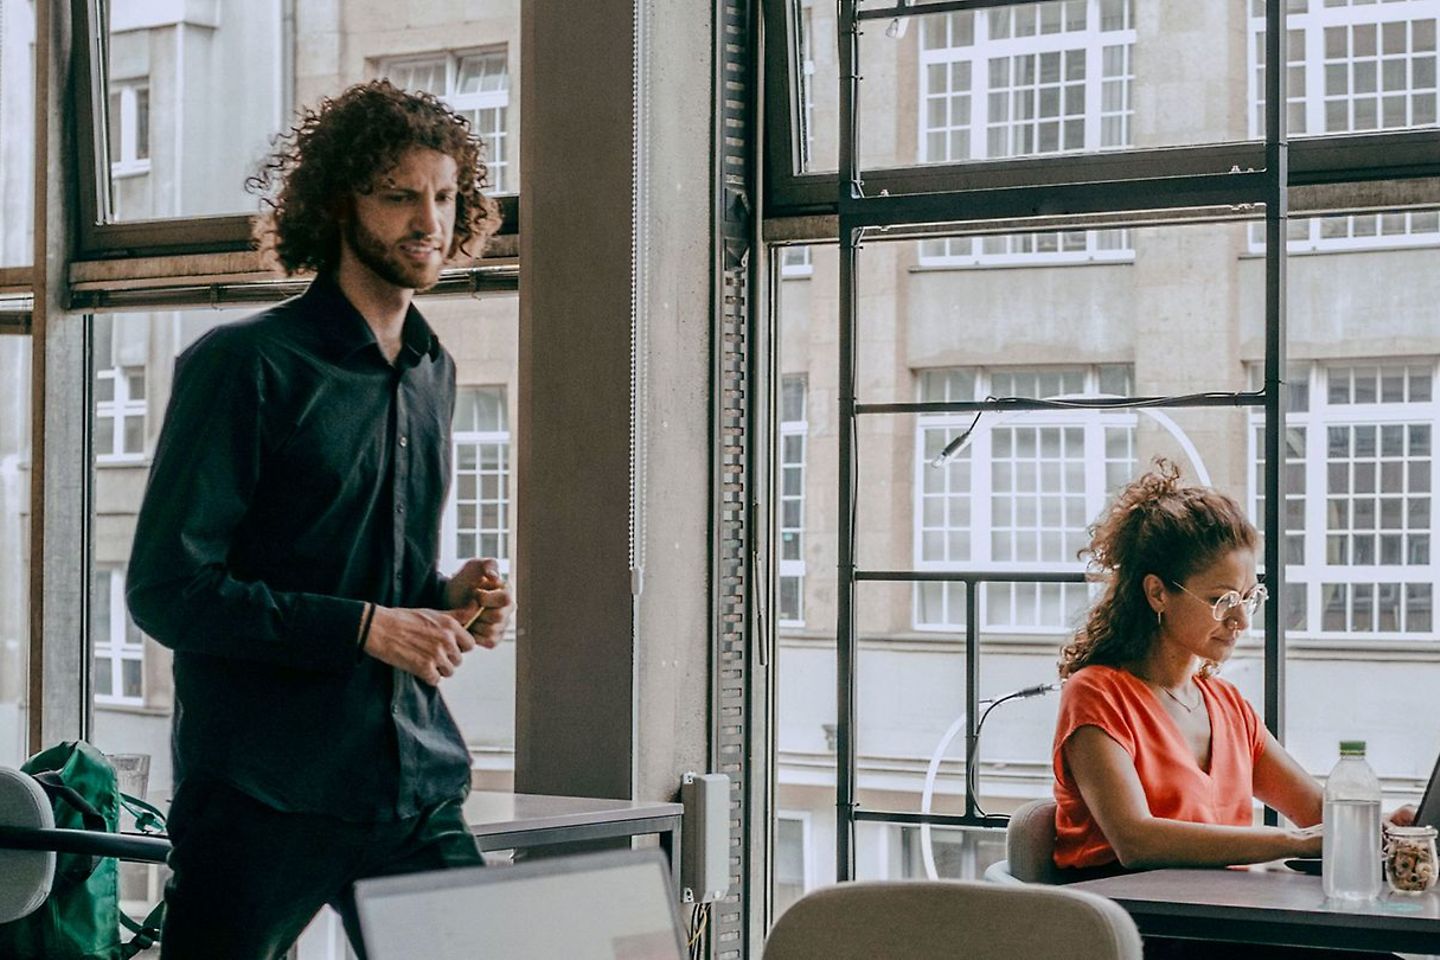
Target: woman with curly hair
column 1158, row 761
column 287, row 546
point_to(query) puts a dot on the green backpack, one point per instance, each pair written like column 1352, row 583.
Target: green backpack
column 81, row 918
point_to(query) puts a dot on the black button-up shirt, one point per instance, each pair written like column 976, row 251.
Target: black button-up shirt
column 297, row 476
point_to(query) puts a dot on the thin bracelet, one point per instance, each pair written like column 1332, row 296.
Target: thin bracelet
column 365, row 626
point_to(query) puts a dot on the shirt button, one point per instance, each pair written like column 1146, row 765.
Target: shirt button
column 404, row 441
column 399, row 508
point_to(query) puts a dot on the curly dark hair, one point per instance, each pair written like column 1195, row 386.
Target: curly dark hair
column 341, row 149
column 1155, row 525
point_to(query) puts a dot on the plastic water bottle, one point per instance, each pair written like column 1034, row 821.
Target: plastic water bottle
column 1352, row 827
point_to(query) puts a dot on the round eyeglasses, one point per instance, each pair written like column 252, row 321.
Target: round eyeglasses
column 1227, row 603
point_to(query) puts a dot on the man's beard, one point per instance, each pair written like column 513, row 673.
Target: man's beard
column 372, row 252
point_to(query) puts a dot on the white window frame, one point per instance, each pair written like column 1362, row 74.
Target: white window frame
column 1308, row 21
column 806, row 821
column 118, row 646
column 793, row 568
column 124, row 154
column 977, row 460
column 450, row 531
column 112, row 415
column 1315, row 572
column 976, row 58
column 502, row 166
column 797, row 262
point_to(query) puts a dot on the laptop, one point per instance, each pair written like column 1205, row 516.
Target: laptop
column 1426, row 815
column 616, row 905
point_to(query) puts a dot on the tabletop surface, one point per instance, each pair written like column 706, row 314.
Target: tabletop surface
column 492, row 810
column 1273, row 892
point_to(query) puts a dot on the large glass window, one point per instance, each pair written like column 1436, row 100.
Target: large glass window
column 17, row 132
column 14, row 544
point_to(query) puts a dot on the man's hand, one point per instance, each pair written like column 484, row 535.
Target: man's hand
column 428, row 643
column 480, row 587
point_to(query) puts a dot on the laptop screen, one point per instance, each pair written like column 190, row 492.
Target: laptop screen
column 1428, row 813
column 603, row 906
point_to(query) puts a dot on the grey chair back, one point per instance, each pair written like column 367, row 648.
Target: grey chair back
column 952, row 920
column 25, row 875
column 1030, row 842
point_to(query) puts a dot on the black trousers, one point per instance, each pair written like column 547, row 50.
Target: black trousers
column 247, row 878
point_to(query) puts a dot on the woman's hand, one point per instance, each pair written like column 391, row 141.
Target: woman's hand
column 1403, row 817
column 1309, row 841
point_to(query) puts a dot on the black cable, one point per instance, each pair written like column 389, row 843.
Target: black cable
column 955, row 444
column 1082, row 403
column 971, row 776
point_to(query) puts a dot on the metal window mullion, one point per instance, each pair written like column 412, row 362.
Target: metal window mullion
column 848, row 187
column 972, row 684
column 1276, row 254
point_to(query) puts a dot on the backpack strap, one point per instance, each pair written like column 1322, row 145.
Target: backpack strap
column 147, row 931
column 58, row 789
column 148, row 818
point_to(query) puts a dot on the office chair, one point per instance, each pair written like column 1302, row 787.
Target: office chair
column 1029, row 846
column 25, row 875
column 952, row 920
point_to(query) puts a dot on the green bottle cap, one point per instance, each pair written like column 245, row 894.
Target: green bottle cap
column 1352, row 748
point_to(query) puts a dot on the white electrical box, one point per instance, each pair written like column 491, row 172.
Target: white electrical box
column 705, row 837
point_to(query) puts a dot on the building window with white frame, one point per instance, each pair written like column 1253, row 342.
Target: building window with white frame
column 1050, row 77
column 1019, row 496
column 792, row 859
column 129, row 127
column 1353, row 66
column 477, row 520
column 1360, row 471
column 120, row 348
column 794, row 431
column 476, row 85
column 796, row 262
column 118, row 644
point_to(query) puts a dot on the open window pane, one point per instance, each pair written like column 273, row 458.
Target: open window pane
column 193, row 98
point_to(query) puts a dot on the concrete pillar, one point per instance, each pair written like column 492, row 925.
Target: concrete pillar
column 615, row 301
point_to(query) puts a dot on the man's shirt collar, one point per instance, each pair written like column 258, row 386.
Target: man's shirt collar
column 345, row 330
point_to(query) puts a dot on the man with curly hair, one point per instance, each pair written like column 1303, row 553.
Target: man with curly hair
column 286, row 549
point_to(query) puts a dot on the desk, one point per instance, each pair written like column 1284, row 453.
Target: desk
column 503, row 821
column 1270, row 905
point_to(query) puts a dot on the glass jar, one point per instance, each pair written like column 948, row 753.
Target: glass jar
column 1410, row 861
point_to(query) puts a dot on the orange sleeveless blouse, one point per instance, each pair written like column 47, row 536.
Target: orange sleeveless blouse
column 1119, row 703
